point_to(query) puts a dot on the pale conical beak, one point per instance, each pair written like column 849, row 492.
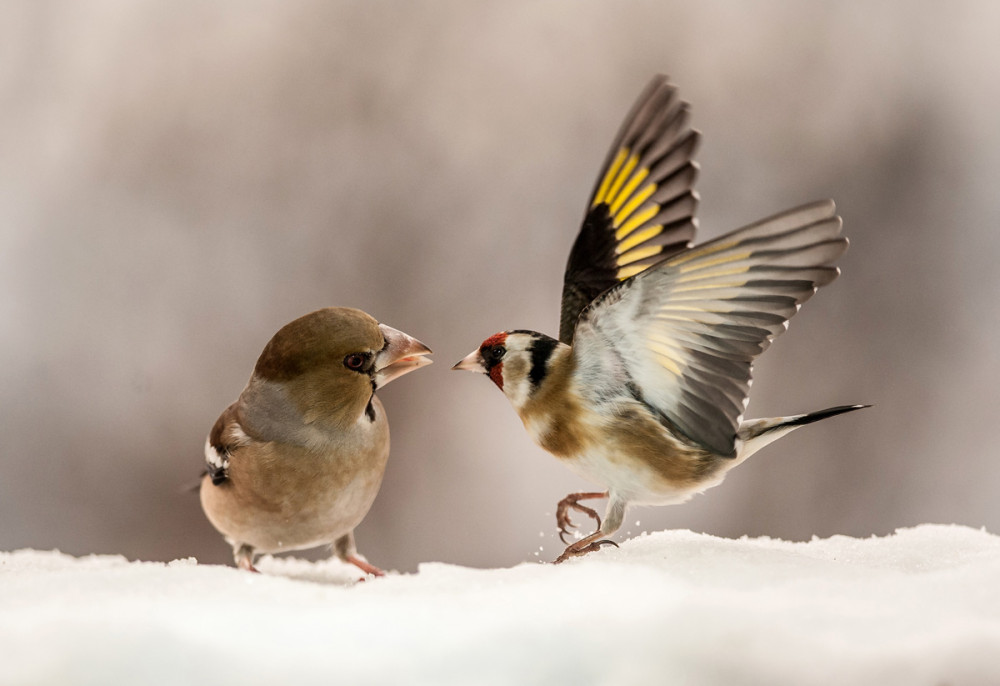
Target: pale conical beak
column 473, row 362
column 402, row 354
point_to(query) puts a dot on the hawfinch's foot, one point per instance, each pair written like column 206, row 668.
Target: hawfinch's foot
column 244, row 555
column 364, row 566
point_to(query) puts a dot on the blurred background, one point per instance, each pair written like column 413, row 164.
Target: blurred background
column 180, row 179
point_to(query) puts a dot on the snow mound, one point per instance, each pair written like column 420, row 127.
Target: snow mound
column 918, row 607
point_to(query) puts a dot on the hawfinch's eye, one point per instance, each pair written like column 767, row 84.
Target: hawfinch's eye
column 354, row 361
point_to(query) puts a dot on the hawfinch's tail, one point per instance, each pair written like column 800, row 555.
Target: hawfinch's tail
column 757, row 433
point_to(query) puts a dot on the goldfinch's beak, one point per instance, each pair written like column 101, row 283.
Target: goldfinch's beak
column 473, row 362
column 402, row 354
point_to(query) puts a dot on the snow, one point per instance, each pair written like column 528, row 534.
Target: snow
column 921, row 606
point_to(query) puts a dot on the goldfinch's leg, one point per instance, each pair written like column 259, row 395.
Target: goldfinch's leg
column 573, row 501
column 244, row 555
column 346, row 550
column 613, row 518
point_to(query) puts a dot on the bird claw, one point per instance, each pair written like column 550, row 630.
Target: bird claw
column 575, row 551
column 572, row 501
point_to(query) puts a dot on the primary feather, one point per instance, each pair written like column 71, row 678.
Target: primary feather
column 642, row 208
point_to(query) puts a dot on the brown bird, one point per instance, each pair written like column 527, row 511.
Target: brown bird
column 297, row 460
column 645, row 389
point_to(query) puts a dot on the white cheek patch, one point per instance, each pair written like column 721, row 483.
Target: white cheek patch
column 516, row 384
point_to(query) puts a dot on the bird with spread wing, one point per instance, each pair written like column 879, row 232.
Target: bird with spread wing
column 644, row 391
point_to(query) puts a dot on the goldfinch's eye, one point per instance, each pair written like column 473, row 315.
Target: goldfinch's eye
column 497, row 352
column 354, row 361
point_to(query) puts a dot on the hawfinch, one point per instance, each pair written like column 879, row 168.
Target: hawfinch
column 298, row 459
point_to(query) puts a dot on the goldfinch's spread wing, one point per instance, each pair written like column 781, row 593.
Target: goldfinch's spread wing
column 642, row 208
column 686, row 332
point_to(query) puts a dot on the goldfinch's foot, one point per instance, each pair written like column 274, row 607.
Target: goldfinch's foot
column 572, row 501
column 576, row 550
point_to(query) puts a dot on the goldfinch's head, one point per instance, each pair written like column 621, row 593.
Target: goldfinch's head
column 516, row 361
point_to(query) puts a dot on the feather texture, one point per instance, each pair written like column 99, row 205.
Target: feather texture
column 687, row 330
column 642, row 208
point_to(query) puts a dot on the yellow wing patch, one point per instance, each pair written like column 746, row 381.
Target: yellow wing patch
column 639, row 254
column 701, row 251
column 611, row 174
column 630, row 271
column 639, row 219
column 722, row 259
column 665, row 356
column 629, row 188
column 625, row 191
column 638, row 237
column 711, row 285
column 643, row 206
column 622, row 175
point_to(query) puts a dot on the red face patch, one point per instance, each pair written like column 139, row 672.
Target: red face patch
column 495, row 339
column 496, row 373
column 492, row 351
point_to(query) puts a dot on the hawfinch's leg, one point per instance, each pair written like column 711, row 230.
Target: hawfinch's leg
column 244, row 554
column 346, row 550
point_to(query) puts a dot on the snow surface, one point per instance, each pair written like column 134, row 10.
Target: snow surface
column 918, row 607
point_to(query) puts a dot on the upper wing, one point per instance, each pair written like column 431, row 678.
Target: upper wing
column 642, row 207
column 686, row 332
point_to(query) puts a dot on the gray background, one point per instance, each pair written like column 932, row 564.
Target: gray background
column 179, row 179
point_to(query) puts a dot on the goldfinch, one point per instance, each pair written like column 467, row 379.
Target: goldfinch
column 644, row 391
column 298, row 459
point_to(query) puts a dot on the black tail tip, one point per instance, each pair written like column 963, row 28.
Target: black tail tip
column 825, row 414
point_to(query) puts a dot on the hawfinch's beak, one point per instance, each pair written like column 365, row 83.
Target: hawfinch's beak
column 402, row 354
column 473, row 362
